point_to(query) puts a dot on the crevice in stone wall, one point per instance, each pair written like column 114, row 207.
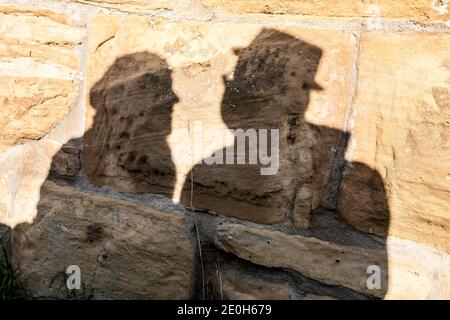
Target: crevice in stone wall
column 338, row 160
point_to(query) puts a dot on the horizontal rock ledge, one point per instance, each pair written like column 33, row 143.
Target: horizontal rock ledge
column 408, row 270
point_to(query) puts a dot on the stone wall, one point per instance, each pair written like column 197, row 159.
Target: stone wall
column 97, row 98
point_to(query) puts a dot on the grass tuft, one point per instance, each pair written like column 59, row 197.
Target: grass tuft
column 11, row 287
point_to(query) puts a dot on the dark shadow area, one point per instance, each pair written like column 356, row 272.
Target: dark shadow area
column 126, row 149
column 270, row 89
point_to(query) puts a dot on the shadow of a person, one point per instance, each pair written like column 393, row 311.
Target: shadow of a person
column 270, row 89
column 126, row 147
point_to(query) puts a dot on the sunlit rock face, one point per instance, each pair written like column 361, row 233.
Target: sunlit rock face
column 39, row 90
column 191, row 78
column 134, row 5
column 402, row 129
column 38, row 70
column 32, row 107
column 424, row 11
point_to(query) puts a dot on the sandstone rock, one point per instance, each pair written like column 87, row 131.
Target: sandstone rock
column 188, row 9
column 316, row 259
column 417, row 271
column 401, row 130
column 125, row 250
column 4, row 236
column 39, row 67
column 66, row 163
column 132, row 5
column 363, row 199
column 39, row 73
column 23, row 169
column 62, row 55
column 32, row 107
column 140, row 139
column 317, row 297
column 236, row 288
column 420, row 10
column 40, row 26
column 408, row 270
column 44, row 35
column 232, row 283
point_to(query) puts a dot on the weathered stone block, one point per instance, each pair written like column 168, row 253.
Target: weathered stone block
column 236, row 287
column 402, row 130
column 31, row 105
column 66, row 163
column 318, row 297
column 40, row 34
column 408, row 270
column 419, row 10
column 23, row 169
column 40, row 80
column 132, row 5
column 316, row 259
column 125, row 249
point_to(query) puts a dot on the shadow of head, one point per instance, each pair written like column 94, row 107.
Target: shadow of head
column 133, row 101
column 264, row 102
column 274, row 76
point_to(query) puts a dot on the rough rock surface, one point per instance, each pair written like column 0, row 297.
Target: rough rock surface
column 38, row 69
column 237, row 288
column 125, row 250
column 133, row 5
column 40, row 73
column 421, row 10
column 31, row 107
column 402, row 130
column 333, row 264
column 66, row 163
column 317, row 297
column 407, row 270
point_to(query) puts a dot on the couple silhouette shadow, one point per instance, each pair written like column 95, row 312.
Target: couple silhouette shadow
column 127, row 146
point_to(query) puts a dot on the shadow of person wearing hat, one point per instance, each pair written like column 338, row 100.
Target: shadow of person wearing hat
column 270, row 89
